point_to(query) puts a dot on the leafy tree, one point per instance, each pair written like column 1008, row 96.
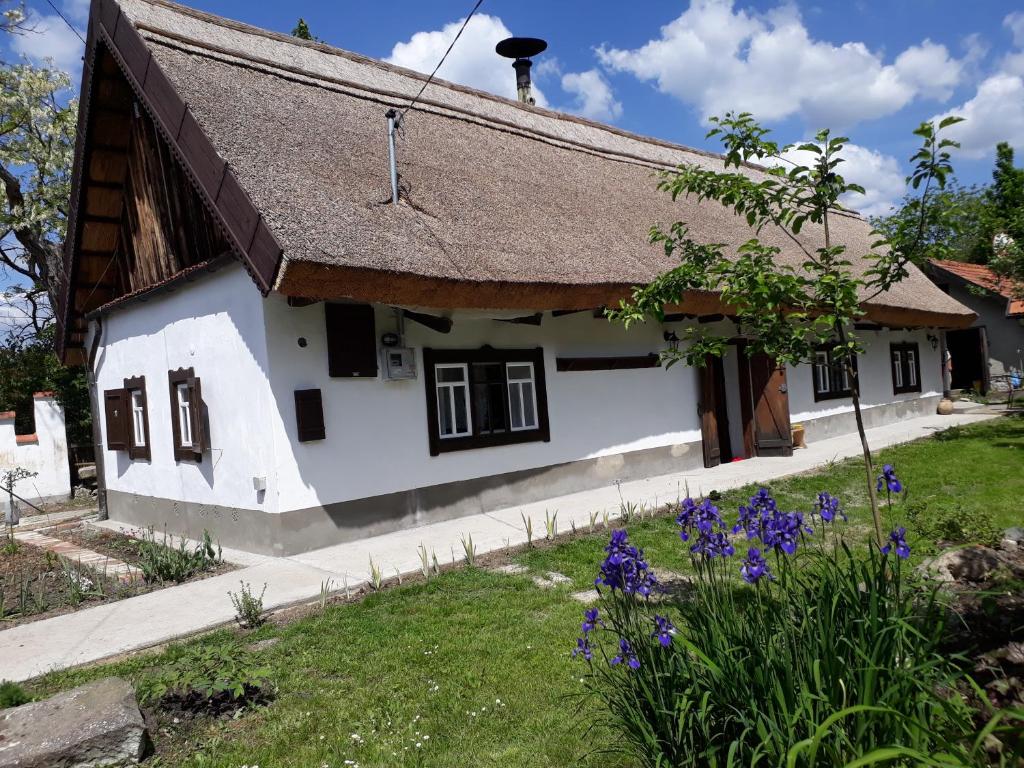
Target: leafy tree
column 1006, row 198
column 302, row 32
column 787, row 312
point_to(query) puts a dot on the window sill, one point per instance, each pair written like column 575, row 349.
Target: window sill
column 822, row 396
column 906, row 390
column 451, row 444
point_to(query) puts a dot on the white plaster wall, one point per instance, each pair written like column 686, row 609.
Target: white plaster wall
column 215, row 326
column 1005, row 334
column 377, row 430
column 47, row 455
column 875, row 377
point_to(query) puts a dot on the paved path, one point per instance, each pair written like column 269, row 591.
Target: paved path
column 104, row 564
column 76, row 638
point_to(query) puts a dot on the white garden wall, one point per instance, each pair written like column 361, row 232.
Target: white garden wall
column 45, row 453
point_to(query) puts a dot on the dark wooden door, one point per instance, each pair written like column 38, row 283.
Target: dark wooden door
column 714, row 423
column 770, row 395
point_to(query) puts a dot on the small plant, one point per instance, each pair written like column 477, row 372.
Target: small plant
column 376, row 576
column 398, row 575
column 208, row 678
column 593, row 521
column 248, row 607
column 629, row 510
column 605, row 519
column 424, row 561
column 162, row 561
column 550, row 525
column 77, row 584
column 953, row 523
column 325, row 593
column 950, row 433
column 469, row 549
column 528, row 527
column 12, row 695
column 12, row 546
column 435, row 566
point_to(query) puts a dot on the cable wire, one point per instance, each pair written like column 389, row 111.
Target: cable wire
column 64, row 19
column 429, row 79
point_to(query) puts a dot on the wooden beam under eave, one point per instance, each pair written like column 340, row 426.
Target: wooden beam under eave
column 99, row 236
column 88, row 298
column 107, row 165
column 103, row 202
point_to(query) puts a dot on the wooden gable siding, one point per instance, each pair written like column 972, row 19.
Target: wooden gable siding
column 165, row 227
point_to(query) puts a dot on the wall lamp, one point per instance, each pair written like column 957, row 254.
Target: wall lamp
column 933, row 340
column 672, row 339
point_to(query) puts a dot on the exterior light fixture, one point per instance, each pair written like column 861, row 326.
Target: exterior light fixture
column 672, row 339
column 933, row 340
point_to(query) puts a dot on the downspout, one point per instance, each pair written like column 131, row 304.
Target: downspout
column 392, row 117
column 94, row 406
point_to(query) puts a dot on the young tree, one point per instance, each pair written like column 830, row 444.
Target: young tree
column 302, row 32
column 787, row 312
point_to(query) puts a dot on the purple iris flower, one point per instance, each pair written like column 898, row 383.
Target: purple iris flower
column 626, row 654
column 583, row 648
column 889, row 480
column 754, row 567
column 830, row 508
column 625, row 568
column 664, row 630
column 685, row 518
column 591, row 621
column 754, row 517
column 898, row 540
column 783, row 531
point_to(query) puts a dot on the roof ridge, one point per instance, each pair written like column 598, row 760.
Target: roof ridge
column 359, row 58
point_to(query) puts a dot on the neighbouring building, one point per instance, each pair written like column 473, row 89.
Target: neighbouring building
column 44, row 453
column 984, row 354
column 283, row 356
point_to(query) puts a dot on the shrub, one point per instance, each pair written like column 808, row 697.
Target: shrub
column 953, row 523
column 162, row 561
column 210, row 678
column 803, row 654
column 12, row 695
column 248, row 607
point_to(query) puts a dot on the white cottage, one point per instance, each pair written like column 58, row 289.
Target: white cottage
column 283, row 356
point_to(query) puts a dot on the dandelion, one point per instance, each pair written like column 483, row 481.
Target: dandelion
column 898, row 540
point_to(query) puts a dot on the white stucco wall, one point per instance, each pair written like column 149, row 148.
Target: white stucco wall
column 377, row 430
column 45, row 453
column 215, row 326
column 875, row 377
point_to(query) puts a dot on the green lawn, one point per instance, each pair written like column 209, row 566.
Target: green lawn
column 479, row 662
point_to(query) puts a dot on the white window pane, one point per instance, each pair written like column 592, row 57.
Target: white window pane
column 461, row 410
column 138, row 419
column 515, row 404
column 529, row 412
column 444, row 411
column 897, row 366
column 184, row 416
column 912, row 367
column 451, row 373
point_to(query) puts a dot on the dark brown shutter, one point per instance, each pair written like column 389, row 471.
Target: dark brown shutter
column 115, row 405
column 137, row 384
column 351, row 340
column 309, row 415
column 195, row 395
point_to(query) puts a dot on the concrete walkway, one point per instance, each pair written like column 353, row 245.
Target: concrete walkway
column 77, row 638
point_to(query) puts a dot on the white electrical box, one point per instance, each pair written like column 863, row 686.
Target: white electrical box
column 399, row 363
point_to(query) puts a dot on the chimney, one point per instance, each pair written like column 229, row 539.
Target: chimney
column 521, row 49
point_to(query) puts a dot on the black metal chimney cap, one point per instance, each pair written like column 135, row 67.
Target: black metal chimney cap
column 520, row 47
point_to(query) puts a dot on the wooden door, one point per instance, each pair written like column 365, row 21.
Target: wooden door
column 714, row 425
column 770, row 399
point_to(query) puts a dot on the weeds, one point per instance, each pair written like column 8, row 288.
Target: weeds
column 550, row 525
column 376, row 576
column 469, row 549
column 528, row 527
column 248, row 606
column 162, row 561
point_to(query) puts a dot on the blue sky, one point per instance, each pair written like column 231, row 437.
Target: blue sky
column 870, row 68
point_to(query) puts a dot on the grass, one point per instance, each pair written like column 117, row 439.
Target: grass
column 434, row 659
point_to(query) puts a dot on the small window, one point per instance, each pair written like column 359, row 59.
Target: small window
column 906, row 367
column 186, row 415
column 477, row 398
column 138, row 418
column 832, row 374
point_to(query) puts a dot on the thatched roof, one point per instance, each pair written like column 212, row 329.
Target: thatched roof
column 504, row 205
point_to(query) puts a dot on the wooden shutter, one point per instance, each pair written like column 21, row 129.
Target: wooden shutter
column 351, row 340
column 309, row 415
column 137, row 384
column 195, row 395
column 115, row 406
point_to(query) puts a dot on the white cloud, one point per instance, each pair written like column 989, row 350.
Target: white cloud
column 1015, row 23
column 994, row 114
column 717, row 57
column 594, row 97
column 50, row 38
column 881, row 176
column 472, row 61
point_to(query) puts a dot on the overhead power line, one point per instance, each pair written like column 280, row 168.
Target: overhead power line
column 429, row 79
column 65, row 20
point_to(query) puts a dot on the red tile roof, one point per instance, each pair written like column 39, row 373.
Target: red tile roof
column 982, row 276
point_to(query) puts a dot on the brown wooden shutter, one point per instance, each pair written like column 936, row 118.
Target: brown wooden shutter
column 309, row 415
column 115, row 406
column 351, row 340
column 137, row 384
column 195, row 394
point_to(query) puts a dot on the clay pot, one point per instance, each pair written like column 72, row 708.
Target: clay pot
column 798, row 436
column 945, row 407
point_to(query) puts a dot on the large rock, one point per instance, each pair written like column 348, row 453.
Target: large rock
column 94, row 726
column 967, row 564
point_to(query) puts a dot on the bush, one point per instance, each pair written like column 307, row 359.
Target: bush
column 816, row 656
column 161, row 561
column 211, row 679
column 248, row 607
column 954, row 524
column 12, row 695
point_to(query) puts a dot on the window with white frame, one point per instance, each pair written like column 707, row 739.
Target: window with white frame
column 832, row 374
column 484, row 397
column 906, row 367
column 187, row 415
column 184, row 416
column 138, row 418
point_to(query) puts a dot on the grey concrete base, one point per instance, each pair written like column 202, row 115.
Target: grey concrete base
column 297, row 531
column 290, row 533
column 875, row 416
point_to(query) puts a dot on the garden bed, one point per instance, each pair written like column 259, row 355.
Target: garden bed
column 37, row 584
